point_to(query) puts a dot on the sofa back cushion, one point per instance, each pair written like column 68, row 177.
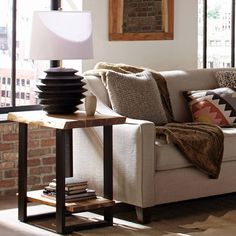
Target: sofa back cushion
column 177, row 82
column 180, row 81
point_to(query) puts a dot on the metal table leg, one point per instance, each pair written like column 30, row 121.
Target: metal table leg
column 63, row 156
column 22, row 174
column 108, row 171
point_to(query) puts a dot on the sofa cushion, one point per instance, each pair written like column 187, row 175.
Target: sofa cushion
column 136, row 96
column 182, row 80
column 226, row 78
column 217, row 106
column 168, row 157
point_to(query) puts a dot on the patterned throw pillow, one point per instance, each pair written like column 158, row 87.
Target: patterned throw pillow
column 136, row 96
column 217, row 106
column 226, row 78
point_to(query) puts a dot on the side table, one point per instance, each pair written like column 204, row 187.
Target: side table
column 64, row 124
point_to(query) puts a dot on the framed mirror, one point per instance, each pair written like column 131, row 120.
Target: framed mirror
column 141, row 20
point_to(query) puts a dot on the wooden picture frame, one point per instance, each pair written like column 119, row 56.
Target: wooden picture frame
column 116, row 11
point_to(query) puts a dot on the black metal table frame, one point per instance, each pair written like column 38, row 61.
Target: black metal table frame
column 64, row 168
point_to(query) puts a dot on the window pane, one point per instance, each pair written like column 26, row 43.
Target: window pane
column 27, row 71
column 5, row 49
column 219, row 33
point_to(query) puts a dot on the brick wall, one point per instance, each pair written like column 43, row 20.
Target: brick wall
column 142, row 16
column 41, row 157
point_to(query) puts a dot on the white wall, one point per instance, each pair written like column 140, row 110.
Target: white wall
column 180, row 53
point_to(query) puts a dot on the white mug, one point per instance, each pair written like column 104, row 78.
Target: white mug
column 90, row 104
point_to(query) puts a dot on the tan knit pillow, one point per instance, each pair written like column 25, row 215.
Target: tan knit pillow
column 136, row 96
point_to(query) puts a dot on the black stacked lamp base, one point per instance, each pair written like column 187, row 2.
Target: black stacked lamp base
column 61, row 91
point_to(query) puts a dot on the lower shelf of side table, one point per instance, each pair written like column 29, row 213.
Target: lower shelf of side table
column 73, row 207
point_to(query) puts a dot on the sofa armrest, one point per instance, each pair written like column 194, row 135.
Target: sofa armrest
column 133, row 160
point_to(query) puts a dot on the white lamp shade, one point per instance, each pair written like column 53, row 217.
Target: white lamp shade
column 60, row 35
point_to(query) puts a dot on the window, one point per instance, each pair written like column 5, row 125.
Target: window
column 27, row 96
column 22, row 95
column 3, row 80
column 15, row 70
column 15, row 18
column 216, row 37
column 8, row 94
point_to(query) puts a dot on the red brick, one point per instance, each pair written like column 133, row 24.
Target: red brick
column 8, row 127
column 33, row 143
column 49, row 160
column 7, row 183
column 48, row 142
column 6, row 146
column 53, row 132
column 33, row 180
column 48, row 178
column 34, row 162
column 7, row 165
column 39, row 152
column 40, row 170
column 10, row 137
column 11, row 192
column 33, row 127
column 38, row 134
column 9, row 156
column 11, row 174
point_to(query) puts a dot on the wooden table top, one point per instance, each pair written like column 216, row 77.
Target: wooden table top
column 78, row 119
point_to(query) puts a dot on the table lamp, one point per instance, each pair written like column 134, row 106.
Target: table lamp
column 61, row 35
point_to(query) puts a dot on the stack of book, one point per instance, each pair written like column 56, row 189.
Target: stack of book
column 75, row 190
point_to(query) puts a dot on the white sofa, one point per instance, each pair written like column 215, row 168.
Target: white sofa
column 147, row 171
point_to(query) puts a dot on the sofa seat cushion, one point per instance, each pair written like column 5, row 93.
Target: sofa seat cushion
column 169, row 157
